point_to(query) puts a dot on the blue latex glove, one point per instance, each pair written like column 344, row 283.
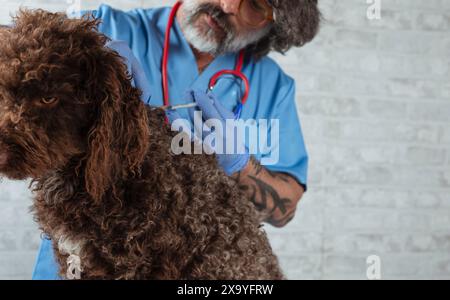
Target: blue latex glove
column 134, row 68
column 212, row 109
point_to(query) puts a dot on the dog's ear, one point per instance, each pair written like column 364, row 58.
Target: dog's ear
column 119, row 139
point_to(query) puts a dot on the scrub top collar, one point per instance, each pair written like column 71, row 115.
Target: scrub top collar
column 181, row 53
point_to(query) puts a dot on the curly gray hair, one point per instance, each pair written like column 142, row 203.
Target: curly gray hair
column 297, row 23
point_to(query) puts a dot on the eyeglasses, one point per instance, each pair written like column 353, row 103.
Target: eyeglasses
column 255, row 13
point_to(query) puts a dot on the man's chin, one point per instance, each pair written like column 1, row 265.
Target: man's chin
column 208, row 36
column 202, row 42
column 207, row 28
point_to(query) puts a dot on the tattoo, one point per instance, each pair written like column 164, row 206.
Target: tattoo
column 267, row 191
column 251, row 192
column 264, row 195
column 283, row 221
column 282, row 176
column 275, row 175
column 256, row 165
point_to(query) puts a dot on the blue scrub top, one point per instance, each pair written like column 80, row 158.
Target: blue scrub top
column 272, row 92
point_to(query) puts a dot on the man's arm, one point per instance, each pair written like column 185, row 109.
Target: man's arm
column 275, row 195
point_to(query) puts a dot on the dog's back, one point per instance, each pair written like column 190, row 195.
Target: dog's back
column 181, row 218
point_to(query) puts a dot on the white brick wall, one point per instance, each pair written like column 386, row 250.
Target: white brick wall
column 374, row 98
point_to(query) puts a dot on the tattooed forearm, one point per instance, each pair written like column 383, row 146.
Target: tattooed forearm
column 274, row 194
column 258, row 168
column 283, row 221
column 281, row 176
column 269, row 193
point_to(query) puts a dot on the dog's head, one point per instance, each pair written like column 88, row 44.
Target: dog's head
column 64, row 95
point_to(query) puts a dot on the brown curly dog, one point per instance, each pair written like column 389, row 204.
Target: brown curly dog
column 108, row 190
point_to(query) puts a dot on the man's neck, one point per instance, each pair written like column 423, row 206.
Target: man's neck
column 203, row 59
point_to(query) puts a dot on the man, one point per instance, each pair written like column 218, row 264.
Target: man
column 205, row 39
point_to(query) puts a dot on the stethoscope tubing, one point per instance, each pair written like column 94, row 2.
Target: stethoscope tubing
column 237, row 72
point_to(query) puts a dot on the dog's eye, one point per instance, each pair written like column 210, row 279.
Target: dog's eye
column 49, row 100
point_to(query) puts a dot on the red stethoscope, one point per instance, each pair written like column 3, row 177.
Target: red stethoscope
column 237, row 72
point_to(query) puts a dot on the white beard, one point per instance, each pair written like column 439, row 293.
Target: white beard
column 207, row 42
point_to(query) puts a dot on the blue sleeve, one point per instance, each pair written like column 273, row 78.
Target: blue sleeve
column 293, row 156
column 119, row 25
column 46, row 267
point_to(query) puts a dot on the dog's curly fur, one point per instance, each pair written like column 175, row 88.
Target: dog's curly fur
column 107, row 187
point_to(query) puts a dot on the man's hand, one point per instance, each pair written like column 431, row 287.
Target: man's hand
column 211, row 109
column 275, row 195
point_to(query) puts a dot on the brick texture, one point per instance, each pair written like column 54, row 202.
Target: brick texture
column 374, row 100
